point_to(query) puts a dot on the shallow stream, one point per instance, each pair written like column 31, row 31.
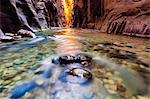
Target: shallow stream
column 120, row 66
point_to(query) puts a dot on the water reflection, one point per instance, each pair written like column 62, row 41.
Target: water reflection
column 66, row 82
column 67, row 42
column 53, row 80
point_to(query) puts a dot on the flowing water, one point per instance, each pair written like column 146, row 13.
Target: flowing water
column 120, row 66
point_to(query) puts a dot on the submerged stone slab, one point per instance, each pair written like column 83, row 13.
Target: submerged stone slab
column 85, row 61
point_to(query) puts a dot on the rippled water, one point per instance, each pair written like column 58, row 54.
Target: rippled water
column 113, row 78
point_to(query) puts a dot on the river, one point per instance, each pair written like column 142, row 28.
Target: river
column 120, row 65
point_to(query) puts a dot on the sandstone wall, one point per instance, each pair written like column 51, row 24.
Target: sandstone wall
column 28, row 14
column 118, row 16
column 111, row 16
column 128, row 16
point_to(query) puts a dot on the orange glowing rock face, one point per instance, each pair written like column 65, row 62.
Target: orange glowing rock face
column 68, row 6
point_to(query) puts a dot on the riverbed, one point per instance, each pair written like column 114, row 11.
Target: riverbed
column 120, row 69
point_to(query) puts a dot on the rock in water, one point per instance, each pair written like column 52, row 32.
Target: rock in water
column 80, row 73
column 1, row 89
column 76, row 75
column 26, row 33
column 47, row 74
column 6, row 38
column 20, row 90
column 84, row 60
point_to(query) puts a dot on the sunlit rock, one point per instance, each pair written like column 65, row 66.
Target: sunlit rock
column 23, row 32
column 79, row 72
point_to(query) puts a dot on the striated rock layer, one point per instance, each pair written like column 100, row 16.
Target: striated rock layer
column 117, row 16
column 111, row 16
column 28, row 14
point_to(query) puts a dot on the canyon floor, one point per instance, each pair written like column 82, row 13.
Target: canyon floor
column 120, row 68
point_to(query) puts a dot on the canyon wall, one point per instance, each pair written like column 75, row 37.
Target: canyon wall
column 117, row 16
column 28, row 14
column 110, row 16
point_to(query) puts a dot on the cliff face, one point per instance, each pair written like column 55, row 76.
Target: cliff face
column 117, row 16
column 111, row 16
column 128, row 16
column 28, row 14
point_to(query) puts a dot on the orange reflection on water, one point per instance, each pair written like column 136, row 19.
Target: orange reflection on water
column 68, row 42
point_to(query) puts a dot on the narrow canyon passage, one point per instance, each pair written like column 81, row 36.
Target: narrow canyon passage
column 74, row 49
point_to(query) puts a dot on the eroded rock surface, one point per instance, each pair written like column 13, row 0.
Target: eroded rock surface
column 130, row 17
column 27, row 14
column 117, row 16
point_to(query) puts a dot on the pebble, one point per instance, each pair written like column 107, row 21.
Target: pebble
column 115, row 78
column 7, row 82
column 129, row 46
column 17, row 78
column 111, row 88
column 121, row 88
column 8, row 74
column 39, row 81
column 8, row 64
column 1, row 89
column 18, row 62
column 105, row 44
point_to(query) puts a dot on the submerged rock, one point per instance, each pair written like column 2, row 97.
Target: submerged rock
column 1, row 89
column 85, row 61
column 20, row 90
column 80, row 73
column 105, row 44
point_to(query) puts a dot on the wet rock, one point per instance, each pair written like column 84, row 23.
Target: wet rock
column 123, row 56
column 20, row 90
column 142, row 70
column 121, row 88
column 26, row 33
column 7, row 82
column 47, row 74
column 111, row 88
column 17, row 78
column 6, row 39
column 105, row 44
column 1, row 89
column 39, row 81
column 76, row 75
column 107, row 81
column 80, row 72
column 81, row 59
column 8, row 65
column 8, row 74
column 18, row 62
column 129, row 46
